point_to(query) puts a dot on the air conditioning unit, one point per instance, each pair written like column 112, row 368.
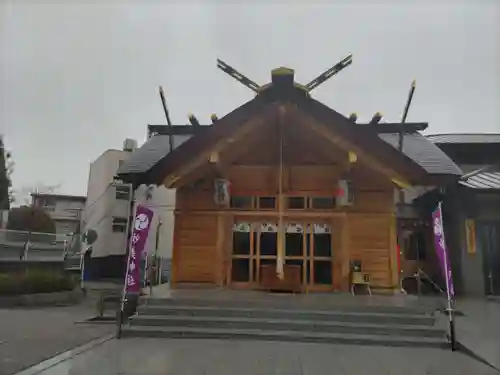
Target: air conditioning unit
column 129, row 145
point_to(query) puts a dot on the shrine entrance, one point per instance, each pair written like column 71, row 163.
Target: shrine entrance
column 308, row 246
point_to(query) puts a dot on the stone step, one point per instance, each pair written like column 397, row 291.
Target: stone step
column 284, row 336
column 285, row 325
column 288, row 302
column 290, row 314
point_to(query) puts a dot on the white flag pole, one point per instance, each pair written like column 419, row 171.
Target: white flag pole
column 447, row 280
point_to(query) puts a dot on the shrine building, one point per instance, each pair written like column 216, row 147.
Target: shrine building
column 286, row 193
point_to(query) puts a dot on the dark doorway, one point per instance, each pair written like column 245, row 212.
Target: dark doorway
column 489, row 243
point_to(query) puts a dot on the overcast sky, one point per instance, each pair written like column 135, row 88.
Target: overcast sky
column 76, row 80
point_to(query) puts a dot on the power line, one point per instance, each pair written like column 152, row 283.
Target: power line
column 99, row 197
column 104, row 216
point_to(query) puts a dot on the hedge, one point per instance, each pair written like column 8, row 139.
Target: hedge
column 33, row 282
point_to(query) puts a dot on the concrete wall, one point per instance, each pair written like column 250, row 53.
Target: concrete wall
column 66, row 226
column 102, row 205
column 66, row 211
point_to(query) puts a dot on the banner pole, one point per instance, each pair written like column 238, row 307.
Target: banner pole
column 453, row 340
column 133, row 277
column 128, row 246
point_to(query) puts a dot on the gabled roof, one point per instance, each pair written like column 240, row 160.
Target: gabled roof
column 150, row 153
column 483, row 178
column 464, row 138
column 154, row 161
column 424, row 152
column 416, row 146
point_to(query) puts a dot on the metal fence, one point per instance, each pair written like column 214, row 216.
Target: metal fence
column 24, row 245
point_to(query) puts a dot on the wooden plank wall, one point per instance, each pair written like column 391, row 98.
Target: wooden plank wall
column 366, row 228
column 370, row 242
column 195, row 249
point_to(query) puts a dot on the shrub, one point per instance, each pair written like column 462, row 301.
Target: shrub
column 32, row 282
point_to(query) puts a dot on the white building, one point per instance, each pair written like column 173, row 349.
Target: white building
column 65, row 210
column 108, row 207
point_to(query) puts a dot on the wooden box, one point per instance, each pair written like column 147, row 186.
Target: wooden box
column 291, row 281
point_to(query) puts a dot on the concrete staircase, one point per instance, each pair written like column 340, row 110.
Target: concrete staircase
column 283, row 320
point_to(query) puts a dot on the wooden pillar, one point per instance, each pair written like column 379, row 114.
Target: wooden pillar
column 341, row 253
column 393, row 256
column 174, row 267
column 227, row 248
column 337, row 253
column 220, row 256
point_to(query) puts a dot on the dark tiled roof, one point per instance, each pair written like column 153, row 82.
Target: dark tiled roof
column 415, row 146
column 465, row 138
column 484, row 178
column 422, row 158
column 424, row 152
column 67, row 197
column 150, row 153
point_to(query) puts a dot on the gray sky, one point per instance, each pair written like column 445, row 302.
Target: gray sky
column 76, row 80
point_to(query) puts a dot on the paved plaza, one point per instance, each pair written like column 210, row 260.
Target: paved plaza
column 28, row 337
column 218, row 357
column 479, row 328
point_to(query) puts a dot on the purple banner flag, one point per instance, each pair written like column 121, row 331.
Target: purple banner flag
column 140, row 231
column 442, row 254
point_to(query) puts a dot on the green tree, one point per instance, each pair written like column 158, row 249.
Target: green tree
column 5, row 181
column 27, row 218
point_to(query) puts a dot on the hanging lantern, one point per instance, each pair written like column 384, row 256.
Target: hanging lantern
column 345, row 193
column 221, row 192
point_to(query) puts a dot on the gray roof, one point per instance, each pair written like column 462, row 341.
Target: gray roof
column 484, row 178
column 465, row 138
column 150, row 153
column 415, row 146
column 425, row 153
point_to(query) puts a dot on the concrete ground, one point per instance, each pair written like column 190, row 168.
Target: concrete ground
column 479, row 328
column 29, row 336
column 220, row 357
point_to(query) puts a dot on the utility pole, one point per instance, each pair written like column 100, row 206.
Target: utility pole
column 24, row 254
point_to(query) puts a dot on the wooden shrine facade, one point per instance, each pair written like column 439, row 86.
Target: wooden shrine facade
column 306, row 185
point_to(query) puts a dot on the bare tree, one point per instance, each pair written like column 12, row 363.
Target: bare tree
column 23, row 195
column 6, row 167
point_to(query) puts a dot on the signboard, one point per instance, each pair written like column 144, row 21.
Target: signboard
column 470, row 236
column 140, row 231
column 440, row 245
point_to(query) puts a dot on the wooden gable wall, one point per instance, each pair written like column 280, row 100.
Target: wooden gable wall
column 312, row 168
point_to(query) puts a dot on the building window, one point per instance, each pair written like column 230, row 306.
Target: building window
column 296, row 203
column 322, row 203
column 46, row 204
column 123, row 192
column 119, row 224
column 267, row 203
column 241, row 202
column 120, row 163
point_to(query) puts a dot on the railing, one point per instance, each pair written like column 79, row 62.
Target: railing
column 23, row 245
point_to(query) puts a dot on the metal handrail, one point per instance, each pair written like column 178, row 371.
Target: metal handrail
column 436, row 287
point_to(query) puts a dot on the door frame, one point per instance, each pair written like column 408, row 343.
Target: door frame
column 255, row 258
